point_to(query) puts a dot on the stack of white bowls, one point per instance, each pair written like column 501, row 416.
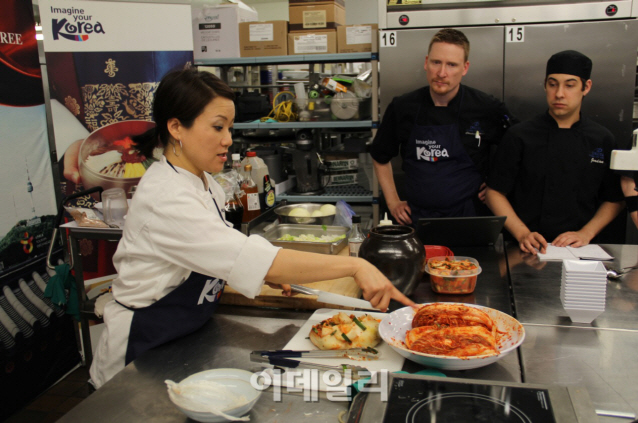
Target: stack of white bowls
column 583, row 289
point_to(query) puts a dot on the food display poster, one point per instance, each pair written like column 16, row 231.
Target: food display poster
column 27, row 209
column 103, row 62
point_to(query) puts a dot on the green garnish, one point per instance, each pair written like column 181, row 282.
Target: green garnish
column 333, row 332
column 371, row 350
column 315, row 331
column 361, row 325
column 344, row 336
column 324, row 227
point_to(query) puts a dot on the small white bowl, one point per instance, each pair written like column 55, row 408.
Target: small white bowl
column 583, row 314
column 237, row 381
column 394, row 327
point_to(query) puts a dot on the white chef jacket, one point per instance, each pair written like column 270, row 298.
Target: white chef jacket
column 173, row 227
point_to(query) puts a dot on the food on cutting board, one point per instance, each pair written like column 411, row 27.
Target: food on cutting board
column 452, row 330
column 343, row 331
column 311, row 238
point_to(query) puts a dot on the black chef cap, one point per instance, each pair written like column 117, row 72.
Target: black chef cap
column 569, row 62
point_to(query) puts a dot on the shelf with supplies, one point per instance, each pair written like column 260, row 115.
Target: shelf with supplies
column 332, row 194
column 262, row 73
column 292, row 59
column 310, row 125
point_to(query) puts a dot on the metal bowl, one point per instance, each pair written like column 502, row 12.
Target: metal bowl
column 103, row 138
column 284, row 211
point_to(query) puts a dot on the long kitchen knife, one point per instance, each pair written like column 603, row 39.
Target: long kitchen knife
column 330, row 298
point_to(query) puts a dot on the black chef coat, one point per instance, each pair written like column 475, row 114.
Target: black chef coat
column 555, row 179
column 479, row 112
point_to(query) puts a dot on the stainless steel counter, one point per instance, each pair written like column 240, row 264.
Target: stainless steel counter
column 536, row 288
column 603, row 360
column 600, row 356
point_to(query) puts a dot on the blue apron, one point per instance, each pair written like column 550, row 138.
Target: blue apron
column 441, row 178
column 182, row 311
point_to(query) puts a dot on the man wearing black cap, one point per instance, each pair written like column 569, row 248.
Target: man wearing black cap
column 551, row 176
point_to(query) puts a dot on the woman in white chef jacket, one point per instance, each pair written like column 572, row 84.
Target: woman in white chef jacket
column 177, row 251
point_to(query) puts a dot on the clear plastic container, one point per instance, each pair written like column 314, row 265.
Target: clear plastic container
column 453, row 275
column 259, row 169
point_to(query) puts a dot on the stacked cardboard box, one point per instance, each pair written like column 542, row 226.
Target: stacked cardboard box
column 313, row 26
column 258, row 39
column 357, row 38
column 216, row 29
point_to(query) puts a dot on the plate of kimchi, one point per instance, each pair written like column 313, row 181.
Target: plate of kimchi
column 451, row 336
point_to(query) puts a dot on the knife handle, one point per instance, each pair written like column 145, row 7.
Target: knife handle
column 282, row 353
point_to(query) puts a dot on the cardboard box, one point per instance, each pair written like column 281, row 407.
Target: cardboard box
column 216, row 29
column 341, row 3
column 258, row 39
column 357, row 38
column 312, row 42
column 316, row 16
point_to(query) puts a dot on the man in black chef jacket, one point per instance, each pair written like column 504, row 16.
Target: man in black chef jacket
column 443, row 132
column 551, row 175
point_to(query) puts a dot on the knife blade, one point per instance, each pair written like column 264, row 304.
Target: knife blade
column 330, row 298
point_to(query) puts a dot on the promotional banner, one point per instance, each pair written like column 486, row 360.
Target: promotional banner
column 27, row 209
column 104, row 61
column 37, row 344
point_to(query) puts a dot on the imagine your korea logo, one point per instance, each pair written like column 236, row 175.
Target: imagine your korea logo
column 76, row 27
column 430, row 151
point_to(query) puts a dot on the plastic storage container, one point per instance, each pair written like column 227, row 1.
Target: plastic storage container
column 453, row 275
column 259, row 169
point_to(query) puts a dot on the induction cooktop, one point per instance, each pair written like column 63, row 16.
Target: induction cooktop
column 417, row 399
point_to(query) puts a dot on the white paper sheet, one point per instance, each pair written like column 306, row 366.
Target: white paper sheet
column 587, row 252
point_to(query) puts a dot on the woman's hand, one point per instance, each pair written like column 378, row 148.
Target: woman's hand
column 376, row 288
column 286, row 290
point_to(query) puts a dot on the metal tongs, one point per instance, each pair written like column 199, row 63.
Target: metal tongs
column 280, row 358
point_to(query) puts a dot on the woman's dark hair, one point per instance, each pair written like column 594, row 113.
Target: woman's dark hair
column 182, row 94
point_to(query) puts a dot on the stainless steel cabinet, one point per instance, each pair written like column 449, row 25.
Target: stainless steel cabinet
column 402, row 65
column 612, row 47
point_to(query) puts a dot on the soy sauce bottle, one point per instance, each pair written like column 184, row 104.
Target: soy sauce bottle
column 233, row 210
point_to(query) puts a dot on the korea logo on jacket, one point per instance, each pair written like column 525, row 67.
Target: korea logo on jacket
column 212, row 291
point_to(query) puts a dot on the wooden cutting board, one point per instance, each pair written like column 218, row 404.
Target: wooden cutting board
column 270, row 297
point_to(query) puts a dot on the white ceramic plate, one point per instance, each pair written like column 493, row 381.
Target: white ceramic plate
column 236, row 381
column 394, row 327
column 585, row 266
column 579, row 315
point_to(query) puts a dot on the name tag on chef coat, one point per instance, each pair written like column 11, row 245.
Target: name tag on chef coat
column 212, row 291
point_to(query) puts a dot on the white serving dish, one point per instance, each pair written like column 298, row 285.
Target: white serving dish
column 580, row 315
column 394, row 327
column 585, row 266
column 237, row 381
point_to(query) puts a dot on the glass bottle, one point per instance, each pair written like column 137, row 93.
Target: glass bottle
column 234, row 210
column 236, row 166
column 355, row 237
column 250, row 200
